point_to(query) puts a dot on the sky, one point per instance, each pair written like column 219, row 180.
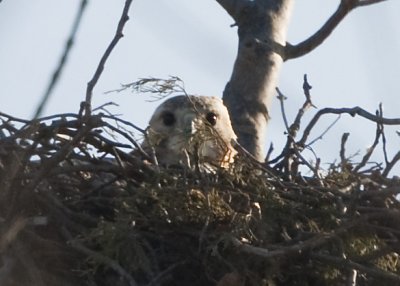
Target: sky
column 358, row 65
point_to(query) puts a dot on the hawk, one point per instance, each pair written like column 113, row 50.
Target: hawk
column 193, row 131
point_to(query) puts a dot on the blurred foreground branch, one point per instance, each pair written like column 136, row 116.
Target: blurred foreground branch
column 63, row 60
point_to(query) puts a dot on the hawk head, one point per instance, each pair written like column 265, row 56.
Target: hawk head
column 191, row 130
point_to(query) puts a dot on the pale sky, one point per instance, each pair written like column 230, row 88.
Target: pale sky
column 358, row 65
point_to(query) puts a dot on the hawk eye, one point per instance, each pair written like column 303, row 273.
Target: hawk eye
column 211, row 118
column 168, row 118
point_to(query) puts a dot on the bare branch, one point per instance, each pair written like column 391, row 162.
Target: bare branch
column 56, row 75
column 391, row 164
column 343, row 158
column 282, row 98
column 367, row 156
column 319, row 137
column 118, row 35
column 296, row 249
column 290, row 148
column 303, row 48
column 352, row 111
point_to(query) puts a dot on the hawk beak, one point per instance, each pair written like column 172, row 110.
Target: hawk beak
column 189, row 123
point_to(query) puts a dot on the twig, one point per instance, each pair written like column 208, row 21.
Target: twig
column 351, row 111
column 378, row 133
column 161, row 276
column 61, row 154
column 296, row 249
column 343, row 158
column 380, row 113
column 57, row 73
column 306, row 88
column 345, row 264
column 374, row 255
column 118, row 35
column 99, row 257
column 124, row 122
column 241, row 150
column 13, row 118
column 321, row 136
column 391, row 164
column 282, row 98
column 306, row 105
column 130, row 139
column 270, row 150
column 291, row 147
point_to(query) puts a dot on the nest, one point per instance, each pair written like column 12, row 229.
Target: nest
column 80, row 209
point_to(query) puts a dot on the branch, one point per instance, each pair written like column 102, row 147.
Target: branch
column 56, row 75
column 370, row 150
column 352, row 111
column 118, row 35
column 343, row 159
column 345, row 263
column 296, row 249
column 391, row 164
column 303, row 48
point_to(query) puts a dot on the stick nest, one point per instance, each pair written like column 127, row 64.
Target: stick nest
column 79, row 208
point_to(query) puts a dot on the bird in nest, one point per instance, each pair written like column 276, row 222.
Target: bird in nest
column 193, row 131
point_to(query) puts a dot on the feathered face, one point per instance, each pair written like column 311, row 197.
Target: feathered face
column 191, row 130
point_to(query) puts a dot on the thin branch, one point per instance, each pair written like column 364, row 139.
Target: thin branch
column 391, row 164
column 100, row 258
column 321, row 136
column 296, row 249
column 282, row 98
column 119, row 120
column 161, row 276
column 118, row 35
column 305, row 47
column 57, row 73
column 383, row 136
column 367, row 156
column 343, row 158
column 129, row 138
column 13, row 118
column 351, row 111
column 348, row 264
column 290, row 147
column 62, row 152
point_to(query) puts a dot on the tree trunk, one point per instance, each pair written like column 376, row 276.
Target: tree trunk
column 262, row 28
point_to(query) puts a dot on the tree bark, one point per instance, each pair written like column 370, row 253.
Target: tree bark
column 262, row 28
